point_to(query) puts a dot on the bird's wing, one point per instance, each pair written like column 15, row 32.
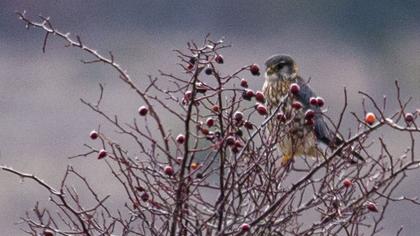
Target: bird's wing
column 322, row 132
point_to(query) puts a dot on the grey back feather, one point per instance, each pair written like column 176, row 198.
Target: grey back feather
column 322, row 132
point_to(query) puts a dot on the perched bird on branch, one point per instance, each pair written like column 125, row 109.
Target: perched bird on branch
column 300, row 126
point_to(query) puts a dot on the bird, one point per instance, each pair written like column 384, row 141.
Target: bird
column 302, row 126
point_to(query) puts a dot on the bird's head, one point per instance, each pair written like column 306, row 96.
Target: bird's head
column 280, row 67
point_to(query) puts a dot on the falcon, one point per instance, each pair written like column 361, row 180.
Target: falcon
column 301, row 126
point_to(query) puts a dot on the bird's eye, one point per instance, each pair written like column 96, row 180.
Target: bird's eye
column 280, row 66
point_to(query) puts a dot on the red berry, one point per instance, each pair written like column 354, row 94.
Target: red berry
column 409, row 117
column 238, row 143
column 309, row 114
column 238, row 116
column 235, row 149
column 281, row 117
column 210, row 122
column 309, row 122
column 259, row 96
column 219, row 59
column 194, row 165
column 313, row 101
column 48, row 232
column 244, row 83
column 320, row 101
column 249, row 92
column 190, row 66
column 262, row 110
column 245, row 227
column 370, row 118
column 296, row 105
column 294, row 88
column 230, row 140
column 205, row 131
column 168, row 170
column 372, row 207
column 347, row 183
column 255, row 69
column 188, row 95
column 143, row 110
column 215, row 108
column 102, row 153
column 248, row 125
column 145, row 197
column 94, row 135
column 180, row 138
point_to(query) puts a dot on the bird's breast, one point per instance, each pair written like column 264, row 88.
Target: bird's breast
column 275, row 91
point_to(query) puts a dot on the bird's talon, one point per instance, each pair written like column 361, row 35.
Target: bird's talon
column 285, row 160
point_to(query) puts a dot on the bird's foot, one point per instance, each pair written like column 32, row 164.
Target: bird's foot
column 286, row 159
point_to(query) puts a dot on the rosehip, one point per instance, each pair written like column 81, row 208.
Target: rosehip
column 247, row 96
column 208, row 71
column 310, row 122
column 347, row 183
column 230, row 140
column 238, row 116
column 190, row 66
column 245, row 227
column 238, row 143
column 102, row 153
column 259, row 96
column 143, row 110
column 370, row 118
column 235, row 149
column 194, row 165
column 48, row 232
column 168, row 170
column 244, row 83
column 248, row 125
column 313, row 101
column 320, row 101
column 188, row 95
column 372, row 207
column 180, row 139
column 219, row 59
column 93, row 135
column 309, row 114
column 215, row 108
column 296, row 105
column 294, row 88
column 281, row 117
column 255, row 69
column 409, row 117
column 145, row 197
column 205, row 131
column 210, row 122
column 249, row 92
column 262, row 110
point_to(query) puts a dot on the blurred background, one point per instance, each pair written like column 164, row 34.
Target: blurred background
column 361, row 45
